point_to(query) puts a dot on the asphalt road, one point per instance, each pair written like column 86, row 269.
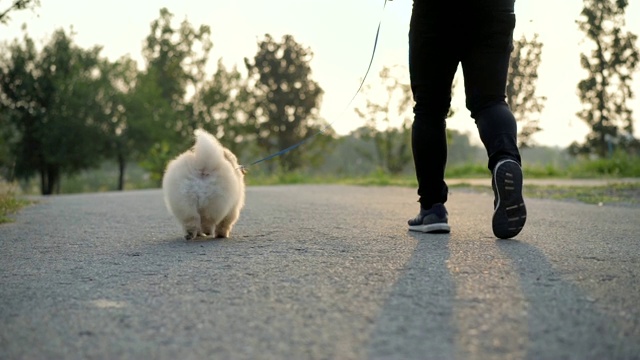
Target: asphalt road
column 318, row 272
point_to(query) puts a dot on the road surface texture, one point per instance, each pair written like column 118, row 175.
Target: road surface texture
column 318, row 272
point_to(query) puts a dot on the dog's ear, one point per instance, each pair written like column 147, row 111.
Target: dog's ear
column 230, row 157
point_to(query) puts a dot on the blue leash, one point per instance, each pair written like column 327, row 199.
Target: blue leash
column 324, row 128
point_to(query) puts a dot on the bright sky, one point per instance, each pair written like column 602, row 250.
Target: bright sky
column 341, row 35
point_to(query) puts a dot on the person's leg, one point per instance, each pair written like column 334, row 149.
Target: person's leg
column 485, row 65
column 432, row 66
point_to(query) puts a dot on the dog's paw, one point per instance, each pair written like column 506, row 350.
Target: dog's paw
column 190, row 236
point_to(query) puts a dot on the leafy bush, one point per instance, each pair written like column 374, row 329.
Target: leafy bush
column 469, row 170
column 9, row 201
column 543, row 171
column 620, row 164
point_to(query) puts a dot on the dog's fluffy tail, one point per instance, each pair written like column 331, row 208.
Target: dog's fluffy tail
column 208, row 151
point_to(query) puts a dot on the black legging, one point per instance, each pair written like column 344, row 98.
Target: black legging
column 478, row 35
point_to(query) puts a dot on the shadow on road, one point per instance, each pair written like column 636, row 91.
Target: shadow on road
column 551, row 316
column 563, row 321
column 417, row 317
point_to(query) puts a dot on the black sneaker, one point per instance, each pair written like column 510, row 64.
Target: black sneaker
column 509, row 214
column 433, row 220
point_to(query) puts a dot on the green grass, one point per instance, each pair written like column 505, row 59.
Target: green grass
column 614, row 168
column 9, row 201
column 622, row 193
column 378, row 178
column 618, row 165
column 544, row 171
column 257, row 179
column 613, row 193
column 467, row 171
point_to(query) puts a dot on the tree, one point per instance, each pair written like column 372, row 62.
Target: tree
column 461, row 150
column 175, row 65
column 48, row 98
column 17, row 109
column 220, row 106
column 124, row 117
column 521, row 87
column 17, row 5
column 285, row 100
column 154, row 117
column 610, row 66
column 392, row 145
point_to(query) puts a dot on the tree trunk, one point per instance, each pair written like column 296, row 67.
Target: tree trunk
column 43, row 182
column 54, row 180
column 122, row 163
column 49, row 180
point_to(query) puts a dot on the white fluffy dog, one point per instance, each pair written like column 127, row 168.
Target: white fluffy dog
column 204, row 188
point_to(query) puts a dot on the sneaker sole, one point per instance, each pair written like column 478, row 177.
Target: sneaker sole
column 510, row 213
column 431, row 228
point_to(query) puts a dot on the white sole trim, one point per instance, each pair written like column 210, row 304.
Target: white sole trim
column 442, row 227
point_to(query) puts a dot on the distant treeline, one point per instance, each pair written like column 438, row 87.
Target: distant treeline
column 64, row 109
